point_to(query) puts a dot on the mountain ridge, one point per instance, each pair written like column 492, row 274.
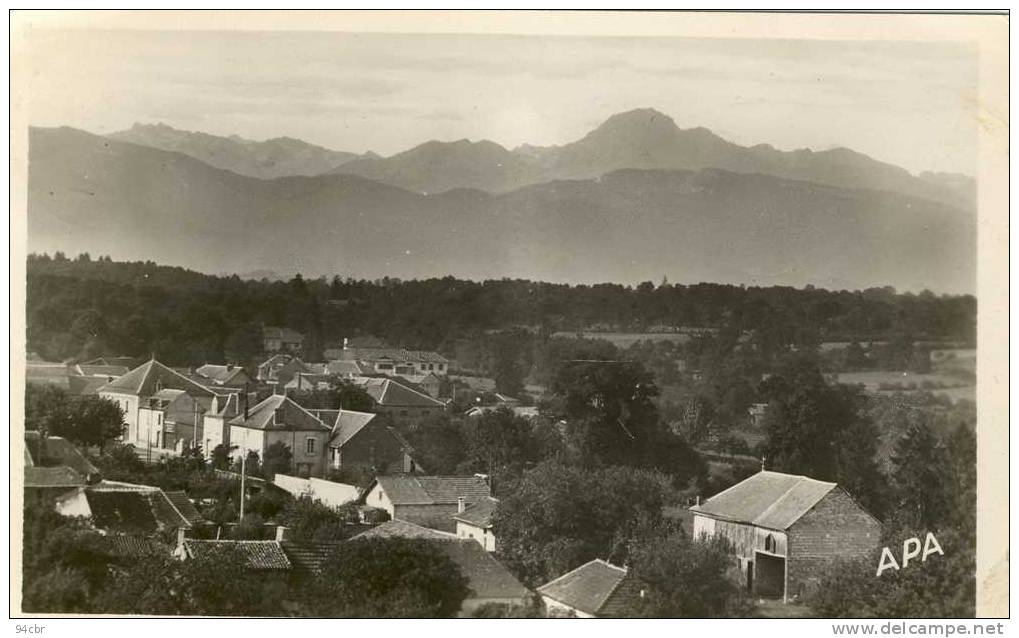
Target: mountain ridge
column 93, row 193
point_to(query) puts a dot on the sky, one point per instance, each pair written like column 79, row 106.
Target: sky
column 910, row 104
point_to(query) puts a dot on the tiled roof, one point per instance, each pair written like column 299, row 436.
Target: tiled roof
column 347, row 424
column 309, row 557
column 58, row 451
column 481, row 384
column 184, row 506
column 258, row 555
column 339, row 366
column 308, row 381
column 143, row 381
column 396, row 355
column 387, row 392
column 479, row 514
column 586, row 588
column 295, row 418
column 406, row 489
column 133, row 546
column 221, row 374
column 403, row 529
column 486, row 577
column 767, row 499
column 52, row 477
column 132, row 509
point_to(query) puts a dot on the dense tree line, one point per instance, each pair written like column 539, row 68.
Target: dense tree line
column 83, row 307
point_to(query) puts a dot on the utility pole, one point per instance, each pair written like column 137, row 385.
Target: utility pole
column 244, row 461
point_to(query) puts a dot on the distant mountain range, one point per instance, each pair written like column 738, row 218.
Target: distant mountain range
column 627, row 224
column 279, row 157
column 643, row 138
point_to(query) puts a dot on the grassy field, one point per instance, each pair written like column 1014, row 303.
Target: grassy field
column 954, row 387
column 627, row 339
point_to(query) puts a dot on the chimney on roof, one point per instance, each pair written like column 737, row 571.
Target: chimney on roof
column 229, row 367
column 461, row 504
column 281, row 533
column 345, row 342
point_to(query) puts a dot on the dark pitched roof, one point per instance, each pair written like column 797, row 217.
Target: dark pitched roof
column 767, row 499
column 479, row 514
column 390, row 393
column 132, row 509
column 406, row 489
column 403, row 529
column 296, row 418
column 308, row 557
column 57, row 451
column 586, row 588
column 133, row 546
column 347, row 424
column 486, row 577
column 184, row 506
column 221, row 374
column 340, row 366
column 143, row 381
column 258, row 555
column 39, row 477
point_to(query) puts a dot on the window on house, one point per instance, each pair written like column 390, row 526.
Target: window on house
column 769, row 543
column 309, row 445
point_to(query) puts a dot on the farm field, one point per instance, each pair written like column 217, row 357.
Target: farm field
column 890, row 382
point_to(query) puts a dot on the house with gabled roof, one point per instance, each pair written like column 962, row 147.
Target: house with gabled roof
column 281, row 339
column 127, row 508
column 361, row 441
column 133, row 390
column 430, row 501
column 279, row 419
column 170, row 420
column 226, row 376
column 596, row 589
column 475, row 522
column 401, row 403
column 787, row 531
column 280, row 368
column 394, row 360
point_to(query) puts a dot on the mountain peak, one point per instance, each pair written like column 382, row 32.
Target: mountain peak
column 645, row 118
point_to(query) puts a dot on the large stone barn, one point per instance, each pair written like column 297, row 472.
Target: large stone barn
column 787, row 531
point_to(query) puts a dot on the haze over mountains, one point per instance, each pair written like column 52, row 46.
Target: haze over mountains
column 636, row 198
column 278, row 157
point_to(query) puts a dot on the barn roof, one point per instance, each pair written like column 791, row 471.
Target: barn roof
column 406, row 489
column 587, row 587
column 767, row 499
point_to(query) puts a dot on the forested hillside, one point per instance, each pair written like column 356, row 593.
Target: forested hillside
column 89, row 307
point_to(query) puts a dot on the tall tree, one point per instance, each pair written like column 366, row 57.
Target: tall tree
column 922, row 486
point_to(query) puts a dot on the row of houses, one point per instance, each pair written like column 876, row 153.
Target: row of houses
column 373, row 354
column 170, row 410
